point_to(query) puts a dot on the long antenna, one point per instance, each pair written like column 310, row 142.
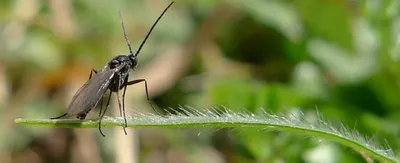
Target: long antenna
column 148, row 34
column 125, row 35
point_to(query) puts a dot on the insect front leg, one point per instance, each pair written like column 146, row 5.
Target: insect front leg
column 147, row 91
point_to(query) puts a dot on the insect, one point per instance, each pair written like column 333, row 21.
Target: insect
column 114, row 77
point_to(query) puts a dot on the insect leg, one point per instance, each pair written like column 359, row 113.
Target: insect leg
column 123, row 103
column 104, row 112
column 121, row 109
column 93, row 70
column 101, row 104
column 147, row 91
column 60, row 116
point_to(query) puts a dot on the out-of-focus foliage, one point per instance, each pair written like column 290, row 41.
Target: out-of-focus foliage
column 340, row 57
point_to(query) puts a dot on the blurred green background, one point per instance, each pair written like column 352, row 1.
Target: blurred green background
column 338, row 57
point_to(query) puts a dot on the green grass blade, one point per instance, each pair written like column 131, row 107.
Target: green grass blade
column 228, row 119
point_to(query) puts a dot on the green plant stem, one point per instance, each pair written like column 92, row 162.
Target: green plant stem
column 229, row 119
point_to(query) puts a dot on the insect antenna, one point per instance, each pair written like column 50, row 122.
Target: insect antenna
column 125, row 35
column 147, row 35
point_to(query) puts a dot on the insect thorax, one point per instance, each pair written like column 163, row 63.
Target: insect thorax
column 121, row 76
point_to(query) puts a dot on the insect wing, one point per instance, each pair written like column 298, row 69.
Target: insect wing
column 91, row 92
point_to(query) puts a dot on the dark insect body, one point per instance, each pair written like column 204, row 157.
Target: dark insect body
column 114, row 77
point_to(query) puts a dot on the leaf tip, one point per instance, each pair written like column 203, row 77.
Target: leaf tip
column 18, row 120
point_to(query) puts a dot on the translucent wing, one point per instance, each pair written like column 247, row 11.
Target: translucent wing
column 92, row 91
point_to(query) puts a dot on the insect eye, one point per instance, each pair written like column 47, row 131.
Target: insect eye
column 134, row 61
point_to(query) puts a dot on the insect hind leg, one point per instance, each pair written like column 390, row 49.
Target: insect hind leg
column 101, row 105
column 91, row 73
column 65, row 114
column 102, row 114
